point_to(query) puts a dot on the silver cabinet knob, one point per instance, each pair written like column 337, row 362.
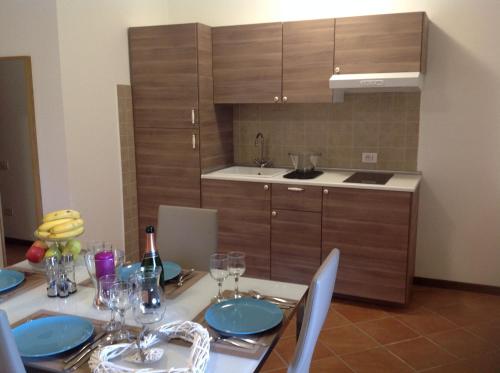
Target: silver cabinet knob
column 325, row 191
column 285, row 99
column 266, row 187
column 337, row 69
column 276, row 98
column 274, row 213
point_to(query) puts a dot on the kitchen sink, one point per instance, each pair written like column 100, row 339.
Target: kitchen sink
column 380, row 178
column 252, row 171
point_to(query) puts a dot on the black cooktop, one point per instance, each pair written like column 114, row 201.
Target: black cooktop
column 369, row 178
column 302, row 175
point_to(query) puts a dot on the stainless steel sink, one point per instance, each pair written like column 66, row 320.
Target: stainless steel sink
column 252, row 171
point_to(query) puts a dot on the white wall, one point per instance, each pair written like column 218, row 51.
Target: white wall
column 16, row 183
column 459, row 151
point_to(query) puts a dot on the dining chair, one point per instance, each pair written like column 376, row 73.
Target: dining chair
column 317, row 307
column 9, row 354
column 187, row 235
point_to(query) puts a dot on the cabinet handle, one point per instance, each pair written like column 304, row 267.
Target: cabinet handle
column 295, row 189
column 193, row 140
column 325, row 191
column 276, row 98
column 274, row 213
column 193, row 117
column 285, row 99
column 337, row 69
column 266, row 187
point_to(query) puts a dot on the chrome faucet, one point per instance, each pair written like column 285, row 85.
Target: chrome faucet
column 259, row 139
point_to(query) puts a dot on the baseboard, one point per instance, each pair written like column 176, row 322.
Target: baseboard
column 478, row 288
column 17, row 241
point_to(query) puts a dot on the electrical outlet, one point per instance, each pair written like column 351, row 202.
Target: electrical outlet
column 8, row 211
column 369, row 157
column 4, row 165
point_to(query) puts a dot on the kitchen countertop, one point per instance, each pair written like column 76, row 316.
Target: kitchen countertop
column 401, row 181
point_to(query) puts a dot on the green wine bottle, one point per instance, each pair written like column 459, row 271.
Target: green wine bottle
column 151, row 258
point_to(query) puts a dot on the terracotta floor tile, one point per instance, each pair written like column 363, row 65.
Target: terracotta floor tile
column 273, row 362
column 387, row 330
column 426, row 322
column 433, row 298
column 489, row 331
column 358, row 312
column 290, row 330
column 329, row 365
column 286, row 349
column 485, row 363
column 420, row 353
column 377, row 360
column 346, row 339
column 462, row 314
column 335, row 319
column 461, row 343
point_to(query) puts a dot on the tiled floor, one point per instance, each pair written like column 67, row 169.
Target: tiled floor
column 442, row 331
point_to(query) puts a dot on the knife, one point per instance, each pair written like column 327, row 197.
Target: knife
column 86, row 353
column 74, row 355
column 185, row 278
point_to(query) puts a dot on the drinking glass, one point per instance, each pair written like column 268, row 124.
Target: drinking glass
column 236, row 265
column 219, row 272
column 121, row 298
column 106, row 283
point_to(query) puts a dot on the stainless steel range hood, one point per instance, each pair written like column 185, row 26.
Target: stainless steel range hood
column 380, row 82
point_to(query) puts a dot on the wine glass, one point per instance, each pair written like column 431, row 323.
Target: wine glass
column 236, row 266
column 219, row 272
column 121, row 298
column 106, row 282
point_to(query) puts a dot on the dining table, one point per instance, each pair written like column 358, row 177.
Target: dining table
column 187, row 306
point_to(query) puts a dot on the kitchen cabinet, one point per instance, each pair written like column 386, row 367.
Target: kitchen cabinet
column 383, row 43
column 375, row 231
column 178, row 130
column 244, row 210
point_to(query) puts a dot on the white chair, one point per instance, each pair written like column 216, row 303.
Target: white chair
column 187, row 236
column 317, row 307
column 9, row 355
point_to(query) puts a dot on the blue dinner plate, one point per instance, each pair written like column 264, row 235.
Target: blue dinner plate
column 51, row 335
column 243, row 316
column 170, row 269
column 10, row 279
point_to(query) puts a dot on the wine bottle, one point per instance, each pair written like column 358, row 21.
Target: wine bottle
column 151, row 258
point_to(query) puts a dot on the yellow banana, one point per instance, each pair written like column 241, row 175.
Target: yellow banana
column 45, row 227
column 41, row 234
column 67, row 226
column 61, row 214
column 67, row 235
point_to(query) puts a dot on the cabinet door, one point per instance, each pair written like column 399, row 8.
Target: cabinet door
column 379, row 44
column 164, row 76
column 307, row 60
column 168, row 171
column 371, row 229
column 295, row 245
column 247, row 63
column 244, row 220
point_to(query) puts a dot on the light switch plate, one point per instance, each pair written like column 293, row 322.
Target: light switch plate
column 4, row 165
column 369, row 157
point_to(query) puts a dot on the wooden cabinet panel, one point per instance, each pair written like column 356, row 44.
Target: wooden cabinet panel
column 308, row 60
column 247, row 65
column 295, row 245
column 297, row 197
column 371, row 229
column 244, row 220
column 164, row 75
column 380, row 43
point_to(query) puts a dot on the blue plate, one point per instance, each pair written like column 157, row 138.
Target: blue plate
column 10, row 279
column 243, row 316
column 170, row 269
column 51, row 335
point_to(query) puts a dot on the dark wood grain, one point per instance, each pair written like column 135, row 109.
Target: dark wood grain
column 164, row 76
column 308, row 60
column 295, row 245
column 244, row 220
column 297, row 197
column 379, row 43
column 247, row 63
column 371, row 229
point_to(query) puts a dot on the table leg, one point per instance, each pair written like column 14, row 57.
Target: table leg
column 299, row 317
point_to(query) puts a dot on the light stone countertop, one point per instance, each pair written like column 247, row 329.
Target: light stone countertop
column 401, row 181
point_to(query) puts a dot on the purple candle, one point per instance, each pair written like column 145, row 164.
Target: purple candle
column 104, row 264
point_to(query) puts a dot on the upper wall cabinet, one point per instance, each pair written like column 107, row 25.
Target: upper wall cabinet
column 247, row 63
column 380, row 43
column 307, row 60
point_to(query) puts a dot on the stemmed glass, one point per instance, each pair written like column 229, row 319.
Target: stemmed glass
column 219, row 272
column 236, row 265
column 121, row 298
column 106, row 283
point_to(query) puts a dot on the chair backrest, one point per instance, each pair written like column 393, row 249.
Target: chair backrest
column 187, row 236
column 9, row 354
column 317, row 307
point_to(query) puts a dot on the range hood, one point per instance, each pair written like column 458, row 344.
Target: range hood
column 380, row 82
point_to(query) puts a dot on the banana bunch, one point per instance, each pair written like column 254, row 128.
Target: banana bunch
column 60, row 225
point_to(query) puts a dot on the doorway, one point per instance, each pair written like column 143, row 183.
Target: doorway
column 20, row 190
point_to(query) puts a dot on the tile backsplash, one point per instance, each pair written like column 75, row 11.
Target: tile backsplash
column 382, row 123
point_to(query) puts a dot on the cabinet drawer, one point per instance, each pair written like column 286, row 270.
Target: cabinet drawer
column 297, row 197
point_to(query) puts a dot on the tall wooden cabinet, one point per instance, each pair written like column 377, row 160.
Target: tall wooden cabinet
column 178, row 130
